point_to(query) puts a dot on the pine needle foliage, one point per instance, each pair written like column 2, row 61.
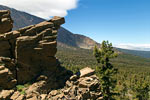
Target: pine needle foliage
column 105, row 69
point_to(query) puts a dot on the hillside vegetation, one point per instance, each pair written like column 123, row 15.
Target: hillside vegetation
column 130, row 67
column 84, row 57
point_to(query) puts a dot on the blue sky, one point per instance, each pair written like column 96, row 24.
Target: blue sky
column 119, row 21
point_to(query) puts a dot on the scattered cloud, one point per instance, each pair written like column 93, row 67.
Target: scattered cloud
column 42, row 8
column 142, row 47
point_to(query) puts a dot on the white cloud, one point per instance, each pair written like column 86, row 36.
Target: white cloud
column 42, row 8
column 142, row 47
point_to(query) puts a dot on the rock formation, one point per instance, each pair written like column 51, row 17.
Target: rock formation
column 28, row 52
column 27, row 55
column 6, row 23
column 82, row 86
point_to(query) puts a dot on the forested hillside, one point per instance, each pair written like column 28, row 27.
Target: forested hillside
column 133, row 71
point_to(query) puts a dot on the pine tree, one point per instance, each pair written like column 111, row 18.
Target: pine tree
column 105, row 69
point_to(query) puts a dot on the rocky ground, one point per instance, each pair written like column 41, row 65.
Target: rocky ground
column 84, row 85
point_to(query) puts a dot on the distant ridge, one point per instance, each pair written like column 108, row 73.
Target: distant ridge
column 145, row 54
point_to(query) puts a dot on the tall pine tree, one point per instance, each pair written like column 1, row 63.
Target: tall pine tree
column 105, row 70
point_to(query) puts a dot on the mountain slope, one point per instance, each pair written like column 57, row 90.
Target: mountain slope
column 75, row 40
column 22, row 19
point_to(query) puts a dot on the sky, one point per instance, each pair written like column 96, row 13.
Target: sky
column 125, row 23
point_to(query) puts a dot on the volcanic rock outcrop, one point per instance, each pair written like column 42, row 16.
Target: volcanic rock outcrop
column 27, row 57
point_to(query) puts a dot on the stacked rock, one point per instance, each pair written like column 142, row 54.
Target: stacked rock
column 36, row 48
column 6, row 23
column 32, row 49
column 82, row 86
